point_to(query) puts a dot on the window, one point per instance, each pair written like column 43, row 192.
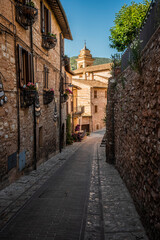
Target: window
column 105, row 94
column 95, row 93
column 45, row 19
column 95, row 108
column 24, row 66
column 40, row 137
column 46, row 73
column 67, row 108
column 72, row 106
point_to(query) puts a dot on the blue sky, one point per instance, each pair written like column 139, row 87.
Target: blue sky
column 91, row 20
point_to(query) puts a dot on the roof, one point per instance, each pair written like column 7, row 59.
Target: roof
column 91, row 83
column 77, row 87
column 61, row 18
column 96, row 68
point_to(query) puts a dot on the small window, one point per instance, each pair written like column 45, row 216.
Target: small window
column 95, row 108
column 45, row 19
column 72, row 106
column 46, row 73
column 95, row 93
column 67, row 108
column 40, row 137
column 24, row 66
column 105, row 94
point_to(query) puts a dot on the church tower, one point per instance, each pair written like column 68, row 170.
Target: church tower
column 85, row 58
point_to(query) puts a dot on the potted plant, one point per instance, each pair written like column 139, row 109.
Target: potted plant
column 65, row 96
column 30, row 4
column 26, row 13
column 49, row 40
column 68, row 91
column 28, row 93
column 48, row 95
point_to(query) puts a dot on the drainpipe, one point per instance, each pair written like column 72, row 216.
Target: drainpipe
column 61, row 92
column 17, row 78
column 34, row 114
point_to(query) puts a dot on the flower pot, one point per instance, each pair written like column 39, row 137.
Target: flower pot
column 48, row 97
column 26, row 15
column 49, row 42
column 64, row 98
column 27, row 97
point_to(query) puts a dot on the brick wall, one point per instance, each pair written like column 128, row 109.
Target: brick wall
column 46, row 127
column 136, row 128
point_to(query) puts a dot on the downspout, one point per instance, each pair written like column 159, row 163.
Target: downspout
column 17, row 78
column 34, row 113
column 60, row 92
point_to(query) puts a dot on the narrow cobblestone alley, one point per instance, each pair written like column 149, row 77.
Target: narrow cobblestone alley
column 75, row 195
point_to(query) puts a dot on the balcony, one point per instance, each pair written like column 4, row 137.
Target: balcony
column 78, row 111
column 49, row 41
column 26, row 15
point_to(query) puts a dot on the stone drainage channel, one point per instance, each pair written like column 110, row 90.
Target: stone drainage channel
column 94, row 229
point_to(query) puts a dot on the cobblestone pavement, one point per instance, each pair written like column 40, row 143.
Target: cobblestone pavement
column 111, row 212
column 106, row 212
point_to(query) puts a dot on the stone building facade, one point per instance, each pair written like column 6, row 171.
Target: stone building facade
column 93, row 82
column 133, row 135
column 31, row 51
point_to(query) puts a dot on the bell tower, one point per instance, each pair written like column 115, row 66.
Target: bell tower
column 85, row 58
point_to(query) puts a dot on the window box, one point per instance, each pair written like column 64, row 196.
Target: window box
column 64, row 98
column 27, row 97
column 26, row 15
column 49, row 41
column 48, row 96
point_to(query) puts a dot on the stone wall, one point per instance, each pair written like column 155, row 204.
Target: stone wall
column 12, row 34
column 134, row 133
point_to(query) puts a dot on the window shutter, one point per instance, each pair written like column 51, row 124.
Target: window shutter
column 44, row 83
column 29, row 77
column 20, row 66
column 42, row 18
column 46, row 71
column 49, row 21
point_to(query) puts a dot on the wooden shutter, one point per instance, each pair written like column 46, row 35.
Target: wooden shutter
column 46, row 72
column 42, row 18
column 44, row 83
column 72, row 106
column 49, row 22
column 47, row 76
column 20, row 65
column 29, row 70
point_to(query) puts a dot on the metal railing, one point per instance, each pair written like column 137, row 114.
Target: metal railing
column 149, row 26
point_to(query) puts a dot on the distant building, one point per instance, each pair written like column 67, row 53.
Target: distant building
column 93, row 81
